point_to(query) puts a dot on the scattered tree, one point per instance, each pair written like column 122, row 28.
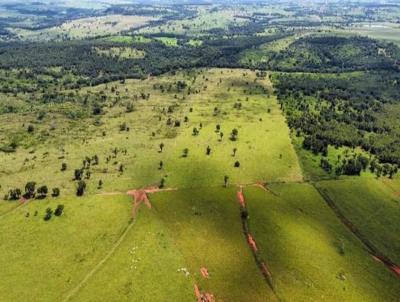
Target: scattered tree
column 59, row 210
column 81, row 188
column 55, row 192
column 226, row 178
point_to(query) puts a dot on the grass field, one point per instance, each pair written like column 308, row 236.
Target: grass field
column 207, row 231
column 121, row 52
column 264, row 150
column 84, row 28
column 373, row 206
column 143, row 268
column 168, row 41
column 44, row 260
column 311, row 255
column 382, row 31
column 200, row 24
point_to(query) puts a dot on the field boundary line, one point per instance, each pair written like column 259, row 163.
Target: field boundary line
column 22, row 203
column 251, row 242
column 372, row 249
column 96, row 268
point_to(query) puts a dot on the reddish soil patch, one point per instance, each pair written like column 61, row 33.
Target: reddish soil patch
column 264, row 187
column 141, row 196
column 396, row 270
column 197, row 292
column 204, row 272
column 240, row 198
column 203, row 297
column 252, row 242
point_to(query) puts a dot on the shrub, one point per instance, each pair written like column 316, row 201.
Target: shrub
column 30, row 189
column 14, row 194
column 59, row 210
column 49, row 213
column 42, row 191
column 81, row 188
column 56, row 192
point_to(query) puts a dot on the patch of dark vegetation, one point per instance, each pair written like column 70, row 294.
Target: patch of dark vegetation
column 343, row 110
column 90, row 68
column 337, row 54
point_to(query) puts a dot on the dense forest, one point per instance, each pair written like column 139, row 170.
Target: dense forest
column 337, row 54
column 81, row 59
column 343, row 110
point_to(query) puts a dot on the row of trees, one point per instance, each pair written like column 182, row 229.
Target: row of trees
column 31, row 191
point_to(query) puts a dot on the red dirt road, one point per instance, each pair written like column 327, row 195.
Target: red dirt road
column 240, row 197
column 252, row 242
column 204, row 272
column 203, row 297
column 141, row 196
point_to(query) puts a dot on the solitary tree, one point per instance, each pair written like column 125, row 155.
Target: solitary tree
column 162, row 183
column 208, row 151
column 237, row 164
column 161, row 165
column 55, row 192
column 59, row 210
column 217, row 128
column 226, row 178
column 30, row 129
column 185, row 152
column 161, row 147
column 30, row 189
column 81, row 188
column 42, row 191
column 49, row 213
column 63, row 166
column 234, row 152
column 234, row 134
column 78, row 174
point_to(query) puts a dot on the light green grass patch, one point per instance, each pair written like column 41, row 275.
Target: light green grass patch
column 145, row 267
column 263, row 145
column 120, row 52
column 206, row 227
column 310, row 254
column 128, row 39
column 168, row 41
column 373, row 206
column 44, row 260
